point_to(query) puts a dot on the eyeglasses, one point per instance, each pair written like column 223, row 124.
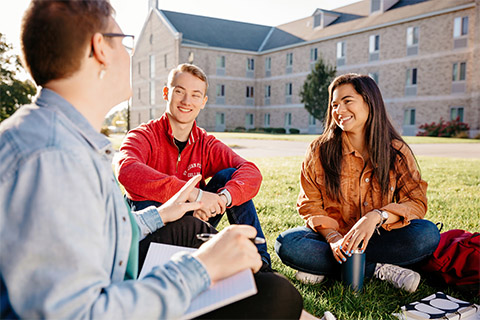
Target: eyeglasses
column 128, row 41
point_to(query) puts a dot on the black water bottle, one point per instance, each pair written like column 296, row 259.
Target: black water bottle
column 353, row 270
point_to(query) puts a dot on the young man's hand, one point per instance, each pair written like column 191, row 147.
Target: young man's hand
column 229, row 252
column 212, row 204
column 177, row 206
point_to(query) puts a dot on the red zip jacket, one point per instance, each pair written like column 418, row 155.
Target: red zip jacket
column 150, row 167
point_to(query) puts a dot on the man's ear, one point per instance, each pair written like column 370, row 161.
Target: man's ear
column 98, row 48
column 165, row 93
column 204, row 102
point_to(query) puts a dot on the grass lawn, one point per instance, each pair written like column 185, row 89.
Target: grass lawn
column 454, row 199
column 310, row 137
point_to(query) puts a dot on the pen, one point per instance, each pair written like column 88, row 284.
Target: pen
column 208, row 236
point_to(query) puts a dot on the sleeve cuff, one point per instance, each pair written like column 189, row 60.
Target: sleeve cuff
column 148, row 220
column 196, row 276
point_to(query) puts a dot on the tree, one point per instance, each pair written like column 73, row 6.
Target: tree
column 314, row 93
column 13, row 92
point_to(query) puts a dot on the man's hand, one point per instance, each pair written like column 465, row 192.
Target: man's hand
column 229, row 252
column 212, row 204
column 177, row 206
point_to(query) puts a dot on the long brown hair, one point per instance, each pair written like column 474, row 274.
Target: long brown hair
column 379, row 134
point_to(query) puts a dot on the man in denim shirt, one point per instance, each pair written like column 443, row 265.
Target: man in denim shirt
column 68, row 243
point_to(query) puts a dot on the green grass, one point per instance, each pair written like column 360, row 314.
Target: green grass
column 116, row 139
column 454, row 199
column 310, row 137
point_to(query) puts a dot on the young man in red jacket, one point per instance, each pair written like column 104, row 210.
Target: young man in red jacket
column 157, row 158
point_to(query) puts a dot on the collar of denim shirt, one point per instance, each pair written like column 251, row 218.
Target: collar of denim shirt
column 52, row 100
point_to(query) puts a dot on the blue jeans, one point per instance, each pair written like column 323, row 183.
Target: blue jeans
column 306, row 250
column 241, row 214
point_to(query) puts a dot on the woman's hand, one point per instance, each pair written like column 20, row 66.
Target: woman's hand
column 361, row 232
column 336, row 246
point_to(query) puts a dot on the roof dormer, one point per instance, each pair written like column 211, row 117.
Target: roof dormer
column 323, row 18
column 380, row 6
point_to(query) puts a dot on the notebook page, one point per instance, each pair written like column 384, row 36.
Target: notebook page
column 221, row 293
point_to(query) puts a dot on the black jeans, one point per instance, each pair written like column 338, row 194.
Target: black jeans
column 244, row 213
column 277, row 298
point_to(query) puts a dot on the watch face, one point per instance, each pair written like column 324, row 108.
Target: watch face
column 384, row 215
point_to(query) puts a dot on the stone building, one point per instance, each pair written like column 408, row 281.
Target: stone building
column 424, row 55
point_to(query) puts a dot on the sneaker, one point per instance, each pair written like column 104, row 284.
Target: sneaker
column 400, row 277
column 308, row 278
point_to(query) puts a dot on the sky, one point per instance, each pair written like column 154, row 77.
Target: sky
column 131, row 14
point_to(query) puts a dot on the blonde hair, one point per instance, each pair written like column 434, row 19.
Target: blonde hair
column 190, row 68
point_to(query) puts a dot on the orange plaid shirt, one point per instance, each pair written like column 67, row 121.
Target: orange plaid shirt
column 361, row 191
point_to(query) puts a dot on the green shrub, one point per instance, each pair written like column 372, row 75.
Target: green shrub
column 443, row 129
column 279, row 130
column 294, row 131
column 239, row 129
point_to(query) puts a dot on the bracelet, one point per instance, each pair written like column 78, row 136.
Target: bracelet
column 199, row 195
column 331, row 235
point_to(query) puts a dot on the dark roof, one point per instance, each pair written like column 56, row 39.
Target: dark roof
column 214, row 32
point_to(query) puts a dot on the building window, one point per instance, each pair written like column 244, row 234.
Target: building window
column 250, row 99
column 311, row 120
column 139, row 94
column 289, row 64
column 165, row 61
column 191, row 57
column 288, row 119
column 456, row 112
column 460, row 27
column 460, row 32
column 250, row 67
column 249, row 92
column 411, row 82
column 268, row 89
column 152, row 92
column 459, row 71
column 268, row 66
column 288, row 92
column 459, row 75
column 220, row 90
column 374, row 47
column 152, row 65
column 249, row 120
column 374, row 76
column 221, row 66
column 341, row 53
column 375, row 6
column 266, row 120
column 268, row 92
column 313, row 54
column 220, row 94
column 250, row 64
column 220, row 119
column 412, row 40
column 409, row 117
column 317, row 20
column 152, row 113
column 151, row 39
column 139, row 68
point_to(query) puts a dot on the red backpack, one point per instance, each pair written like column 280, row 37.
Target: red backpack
column 457, row 260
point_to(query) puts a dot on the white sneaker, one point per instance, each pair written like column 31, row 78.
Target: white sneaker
column 401, row 278
column 308, row 278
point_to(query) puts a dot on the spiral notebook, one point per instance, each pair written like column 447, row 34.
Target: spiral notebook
column 440, row 306
column 221, row 293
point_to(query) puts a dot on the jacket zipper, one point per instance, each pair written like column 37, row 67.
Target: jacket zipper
column 178, row 160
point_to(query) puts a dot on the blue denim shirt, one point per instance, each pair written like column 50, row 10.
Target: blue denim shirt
column 65, row 234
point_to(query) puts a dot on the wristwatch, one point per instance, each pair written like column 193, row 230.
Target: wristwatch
column 383, row 215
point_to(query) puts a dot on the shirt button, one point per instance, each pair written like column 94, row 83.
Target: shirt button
column 108, row 151
column 124, row 219
column 365, row 203
column 120, row 263
column 367, row 180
